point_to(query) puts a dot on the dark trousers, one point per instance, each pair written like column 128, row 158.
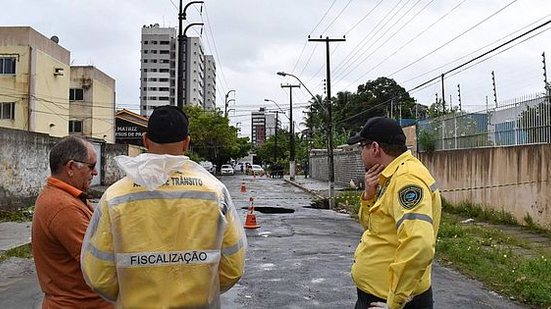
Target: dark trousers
column 421, row 301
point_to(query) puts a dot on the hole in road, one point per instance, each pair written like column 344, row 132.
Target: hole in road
column 272, row 210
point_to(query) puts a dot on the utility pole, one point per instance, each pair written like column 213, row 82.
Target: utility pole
column 292, row 163
column 494, row 86
column 181, row 48
column 327, row 40
column 275, row 143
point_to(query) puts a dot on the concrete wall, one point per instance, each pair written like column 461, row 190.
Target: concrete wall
column 347, row 161
column 514, row 179
column 24, row 165
column 112, row 173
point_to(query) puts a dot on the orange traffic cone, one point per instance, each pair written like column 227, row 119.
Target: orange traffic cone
column 243, row 187
column 250, row 220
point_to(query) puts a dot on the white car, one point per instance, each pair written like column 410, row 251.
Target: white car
column 226, row 169
column 208, row 166
column 256, row 170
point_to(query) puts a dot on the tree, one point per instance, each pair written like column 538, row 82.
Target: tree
column 212, row 138
column 379, row 97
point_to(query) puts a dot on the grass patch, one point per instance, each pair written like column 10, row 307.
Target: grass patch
column 510, row 266
column 471, row 210
column 20, row 215
column 350, row 200
column 490, row 256
column 23, row 251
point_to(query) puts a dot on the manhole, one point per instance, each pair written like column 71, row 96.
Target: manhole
column 271, row 210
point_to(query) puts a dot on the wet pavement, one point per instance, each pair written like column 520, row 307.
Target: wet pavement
column 299, row 259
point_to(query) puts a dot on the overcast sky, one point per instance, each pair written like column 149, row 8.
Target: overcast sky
column 411, row 41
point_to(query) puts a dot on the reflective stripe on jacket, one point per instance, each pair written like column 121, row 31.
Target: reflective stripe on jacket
column 394, row 258
column 178, row 246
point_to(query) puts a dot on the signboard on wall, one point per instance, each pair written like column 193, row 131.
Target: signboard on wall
column 127, row 132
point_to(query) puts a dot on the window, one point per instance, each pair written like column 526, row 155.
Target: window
column 76, row 94
column 164, row 42
column 7, row 65
column 75, row 126
column 7, row 111
column 164, row 52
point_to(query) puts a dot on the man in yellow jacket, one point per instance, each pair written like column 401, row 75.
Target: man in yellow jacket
column 167, row 235
column 400, row 212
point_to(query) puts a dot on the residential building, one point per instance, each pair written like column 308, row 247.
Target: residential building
column 270, row 124
column 92, row 103
column 159, row 71
column 195, row 72
column 34, row 82
column 258, row 127
column 158, row 68
column 210, row 83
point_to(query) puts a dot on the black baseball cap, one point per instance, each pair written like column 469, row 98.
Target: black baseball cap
column 382, row 130
column 167, row 124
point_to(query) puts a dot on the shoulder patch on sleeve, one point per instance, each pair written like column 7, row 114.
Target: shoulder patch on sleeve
column 410, row 196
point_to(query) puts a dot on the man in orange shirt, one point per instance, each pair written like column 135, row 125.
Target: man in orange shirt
column 61, row 217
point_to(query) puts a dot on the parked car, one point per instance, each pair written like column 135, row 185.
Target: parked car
column 256, row 169
column 208, row 166
column 226, row 169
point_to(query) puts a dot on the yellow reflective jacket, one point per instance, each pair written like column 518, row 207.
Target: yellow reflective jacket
column 177, row 246
column 394, row 258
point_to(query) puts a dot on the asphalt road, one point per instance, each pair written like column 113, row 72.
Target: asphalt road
column 295, row 260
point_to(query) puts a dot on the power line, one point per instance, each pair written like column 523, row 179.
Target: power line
column 479, row 49
column 490, row 51
column 454, row 38
column 338, row 15
column 388, row 39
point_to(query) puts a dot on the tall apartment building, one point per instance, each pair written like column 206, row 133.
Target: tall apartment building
column 158, row 68
column 210, row 83
column 195, row 72
column 159, row 57
column 263, row 126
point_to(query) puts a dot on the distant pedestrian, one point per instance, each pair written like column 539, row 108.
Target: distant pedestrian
column 167, row 235
column 306, row 168
column 400, row 211
column 60, row 219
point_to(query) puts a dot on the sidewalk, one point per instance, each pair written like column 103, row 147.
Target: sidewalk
column 316, row 187
column 14, row 234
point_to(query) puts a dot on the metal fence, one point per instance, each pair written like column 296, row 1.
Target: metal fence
column 521, row 121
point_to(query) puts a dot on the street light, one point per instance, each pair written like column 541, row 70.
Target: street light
column 268, row 100
column 329, row 137
column 181, row 40
column 227, row 102
column 303, row 85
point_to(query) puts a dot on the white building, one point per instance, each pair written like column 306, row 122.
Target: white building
column 195, row 72
column 158, row 78
column 158, row 68
column 210, row 83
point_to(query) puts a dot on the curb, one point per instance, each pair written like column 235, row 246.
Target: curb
column 314, row 193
